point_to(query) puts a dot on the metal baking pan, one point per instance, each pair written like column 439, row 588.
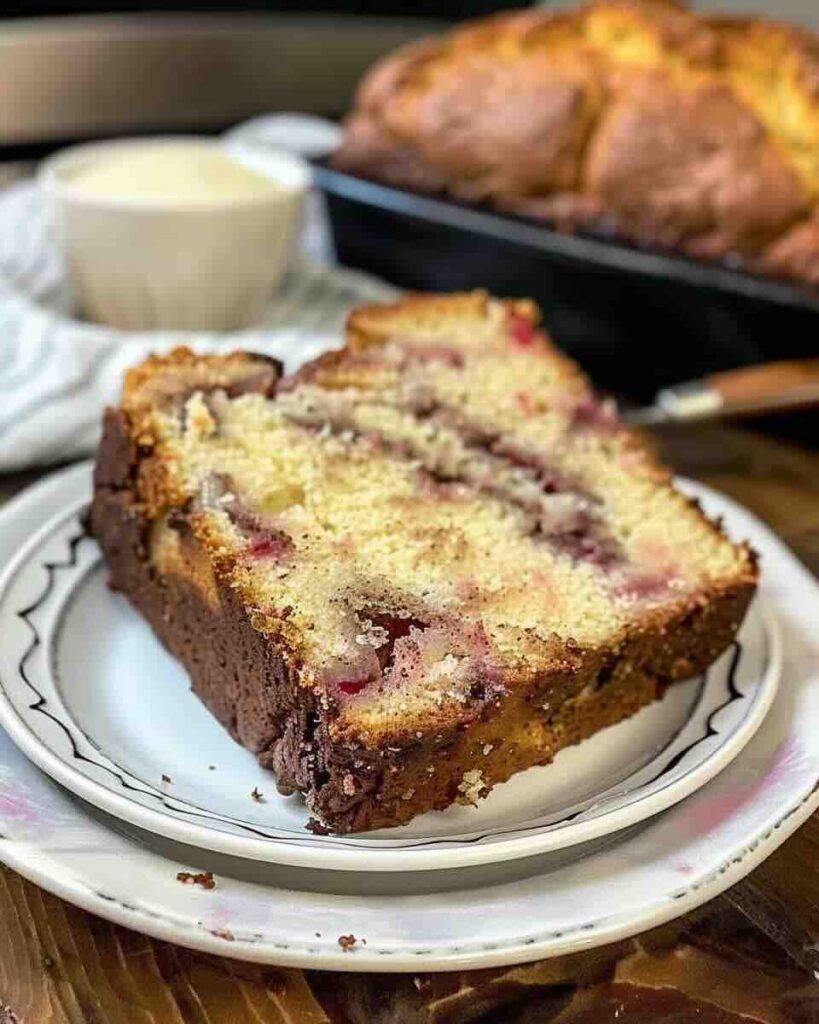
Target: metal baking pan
column 638, row 319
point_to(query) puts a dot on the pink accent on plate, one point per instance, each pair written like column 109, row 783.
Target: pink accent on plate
column 709, row 813
column 16, row 807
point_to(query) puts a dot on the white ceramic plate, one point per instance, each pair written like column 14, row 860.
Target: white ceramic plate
column 89, row 694
column 477, row 917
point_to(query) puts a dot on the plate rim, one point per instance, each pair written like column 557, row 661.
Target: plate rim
column 738, row 860
column 289, row 853
column 599, row 932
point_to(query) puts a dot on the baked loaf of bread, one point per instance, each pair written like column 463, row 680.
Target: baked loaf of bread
column 421, row 564
column 639, row 116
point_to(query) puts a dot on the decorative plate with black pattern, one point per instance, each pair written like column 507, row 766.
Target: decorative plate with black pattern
column 90, row 695
column 503, row 913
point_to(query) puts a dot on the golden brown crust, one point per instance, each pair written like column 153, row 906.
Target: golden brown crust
column 371, row 324
column 678, row 128
column 161, row 379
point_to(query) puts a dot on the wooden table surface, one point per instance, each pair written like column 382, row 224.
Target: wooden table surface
column 58, row 963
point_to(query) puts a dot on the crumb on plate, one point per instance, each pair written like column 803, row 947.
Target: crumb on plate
column 204, row 879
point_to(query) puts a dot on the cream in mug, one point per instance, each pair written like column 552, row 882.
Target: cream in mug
column 170, row 172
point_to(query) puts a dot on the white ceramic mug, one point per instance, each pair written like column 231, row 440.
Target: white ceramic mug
column 149, row 263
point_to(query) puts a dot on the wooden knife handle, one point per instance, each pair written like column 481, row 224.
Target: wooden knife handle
column 769, row 386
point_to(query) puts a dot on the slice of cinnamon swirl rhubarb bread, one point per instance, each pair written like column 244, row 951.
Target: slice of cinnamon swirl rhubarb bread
column 421, row 564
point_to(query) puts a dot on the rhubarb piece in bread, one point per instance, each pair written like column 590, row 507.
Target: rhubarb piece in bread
column 433, row 559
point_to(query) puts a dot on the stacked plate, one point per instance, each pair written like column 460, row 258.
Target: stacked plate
column 135, row 783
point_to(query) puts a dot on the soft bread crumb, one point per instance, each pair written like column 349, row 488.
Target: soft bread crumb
column 199, row 419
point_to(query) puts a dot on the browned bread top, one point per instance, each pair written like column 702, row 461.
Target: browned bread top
column 439, row 515
column 679, row 128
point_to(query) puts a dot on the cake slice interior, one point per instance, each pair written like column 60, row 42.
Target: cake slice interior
column 460, row 556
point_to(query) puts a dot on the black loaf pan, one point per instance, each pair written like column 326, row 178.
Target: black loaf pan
column 637, row 319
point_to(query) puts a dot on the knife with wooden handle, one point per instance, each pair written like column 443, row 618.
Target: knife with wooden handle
column 769, row 387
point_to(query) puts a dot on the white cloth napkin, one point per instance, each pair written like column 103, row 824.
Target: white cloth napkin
column 58, row 372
